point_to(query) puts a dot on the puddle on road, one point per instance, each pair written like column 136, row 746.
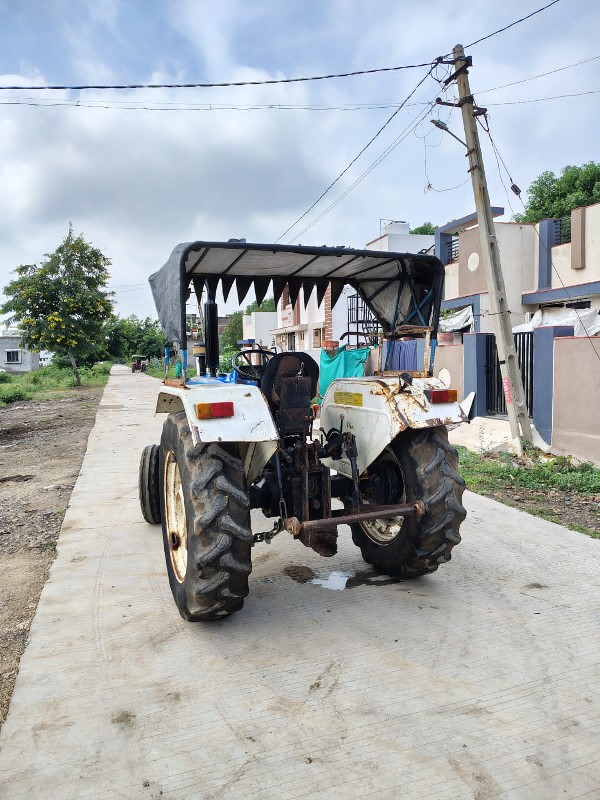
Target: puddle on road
column 338, row 580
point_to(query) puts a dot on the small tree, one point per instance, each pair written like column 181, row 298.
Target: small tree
column 61, row 304
column 426, row 229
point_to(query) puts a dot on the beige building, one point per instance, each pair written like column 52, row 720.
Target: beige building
column 554, row 264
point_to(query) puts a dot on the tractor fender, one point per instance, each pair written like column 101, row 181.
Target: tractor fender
column 377, row 409
column 251, row 426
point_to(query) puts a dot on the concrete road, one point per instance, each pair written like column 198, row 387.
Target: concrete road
column 480, row 681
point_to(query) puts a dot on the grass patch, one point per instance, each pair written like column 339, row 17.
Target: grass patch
column 9, row 393
column 553, row 488
column 49, row 381
column 582, row 529
column 158, row 371
column 503, row 470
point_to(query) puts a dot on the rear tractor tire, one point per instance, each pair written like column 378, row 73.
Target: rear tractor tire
column 148, row 484
column 418, row 465
column 205, row 511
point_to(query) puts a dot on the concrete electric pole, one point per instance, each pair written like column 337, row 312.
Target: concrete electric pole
column 520, row 425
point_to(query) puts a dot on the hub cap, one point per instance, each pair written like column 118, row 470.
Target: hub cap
column 175, row 520
column 386, row 531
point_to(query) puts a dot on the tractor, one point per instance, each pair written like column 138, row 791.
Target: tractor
column 232, row 445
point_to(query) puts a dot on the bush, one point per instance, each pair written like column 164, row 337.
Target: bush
column 12, row 394
column 101, row 368
column 5, row 377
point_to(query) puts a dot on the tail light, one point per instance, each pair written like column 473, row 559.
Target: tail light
column 442, row 395
column 214, row 410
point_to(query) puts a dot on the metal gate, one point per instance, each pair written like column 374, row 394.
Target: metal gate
column 495, row 402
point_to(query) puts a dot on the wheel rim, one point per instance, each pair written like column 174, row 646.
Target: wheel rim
column 175, row 520
column 385, row 531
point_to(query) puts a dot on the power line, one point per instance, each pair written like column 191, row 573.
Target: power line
column 224, row 84
column 271, row 81
column 207, row 107
column 406, row 132
column 279, row 107
column 542, row 99
column 540, row 75
column 357, row 156
column 512, row 24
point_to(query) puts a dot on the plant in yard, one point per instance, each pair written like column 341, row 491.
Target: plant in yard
column 62, row 303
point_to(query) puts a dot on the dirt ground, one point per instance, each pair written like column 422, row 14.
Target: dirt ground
column 42, row 445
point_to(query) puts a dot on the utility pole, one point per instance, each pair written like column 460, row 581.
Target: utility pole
column 512, row 382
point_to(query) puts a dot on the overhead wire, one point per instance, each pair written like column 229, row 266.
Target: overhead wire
column 268, row 81
column 541, row 99
column 539, row 75
column 405, row 133
column 512, row 24
column 429, row 185
column 357, row 156
column 222, row 84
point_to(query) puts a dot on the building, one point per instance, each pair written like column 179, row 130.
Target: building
column 551, row 267
column 551, row 273
column 306, row 328
column 13, row 356
column 258, row 326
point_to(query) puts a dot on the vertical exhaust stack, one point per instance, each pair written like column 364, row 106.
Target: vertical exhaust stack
column 211, row 336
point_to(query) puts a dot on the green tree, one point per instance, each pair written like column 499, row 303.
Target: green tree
column 124, row 336
column 426, row 229
column 551, row 196
column 62, row 303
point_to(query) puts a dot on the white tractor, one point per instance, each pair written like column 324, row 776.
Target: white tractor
column 228, row 447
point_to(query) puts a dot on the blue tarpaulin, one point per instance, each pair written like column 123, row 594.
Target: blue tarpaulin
column 344, row 364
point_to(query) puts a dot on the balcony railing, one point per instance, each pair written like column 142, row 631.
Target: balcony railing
column 562, row 230
column 362, row 320
column 453, row 250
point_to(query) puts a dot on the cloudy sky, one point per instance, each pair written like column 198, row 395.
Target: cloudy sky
column 139, row 170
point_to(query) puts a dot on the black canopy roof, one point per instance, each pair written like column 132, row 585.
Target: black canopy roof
column 400, row 288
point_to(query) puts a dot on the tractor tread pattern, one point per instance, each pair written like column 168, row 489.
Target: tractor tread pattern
column 434, row 462
column 219, row 537
column 148, row 484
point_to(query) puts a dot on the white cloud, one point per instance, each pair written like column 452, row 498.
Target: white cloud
column 137, row 182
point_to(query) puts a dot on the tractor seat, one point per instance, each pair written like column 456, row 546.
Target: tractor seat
column 288, row 365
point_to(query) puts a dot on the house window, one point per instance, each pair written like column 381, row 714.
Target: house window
column 291, row 341
column 13, row 357
column 317, row 338
column 301, row 339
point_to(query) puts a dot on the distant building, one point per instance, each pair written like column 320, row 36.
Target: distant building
column 13, row 356
column 307, row 328
column 258, row 326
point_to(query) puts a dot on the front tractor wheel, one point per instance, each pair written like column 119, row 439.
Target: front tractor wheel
column 148, row 484
column 418, row 465
column 205, row 513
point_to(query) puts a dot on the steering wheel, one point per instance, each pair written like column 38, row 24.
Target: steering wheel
column 243, row 366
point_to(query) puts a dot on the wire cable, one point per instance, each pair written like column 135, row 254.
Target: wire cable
column 540, row 75
column 271, row 81
column 223, row 84
column 405, row 133
column 357, row 156
column 541, row 99
column 512, row 24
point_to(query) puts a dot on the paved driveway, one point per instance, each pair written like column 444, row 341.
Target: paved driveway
column 480, row 681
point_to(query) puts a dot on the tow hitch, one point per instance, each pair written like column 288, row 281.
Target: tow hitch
column 340, row 517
